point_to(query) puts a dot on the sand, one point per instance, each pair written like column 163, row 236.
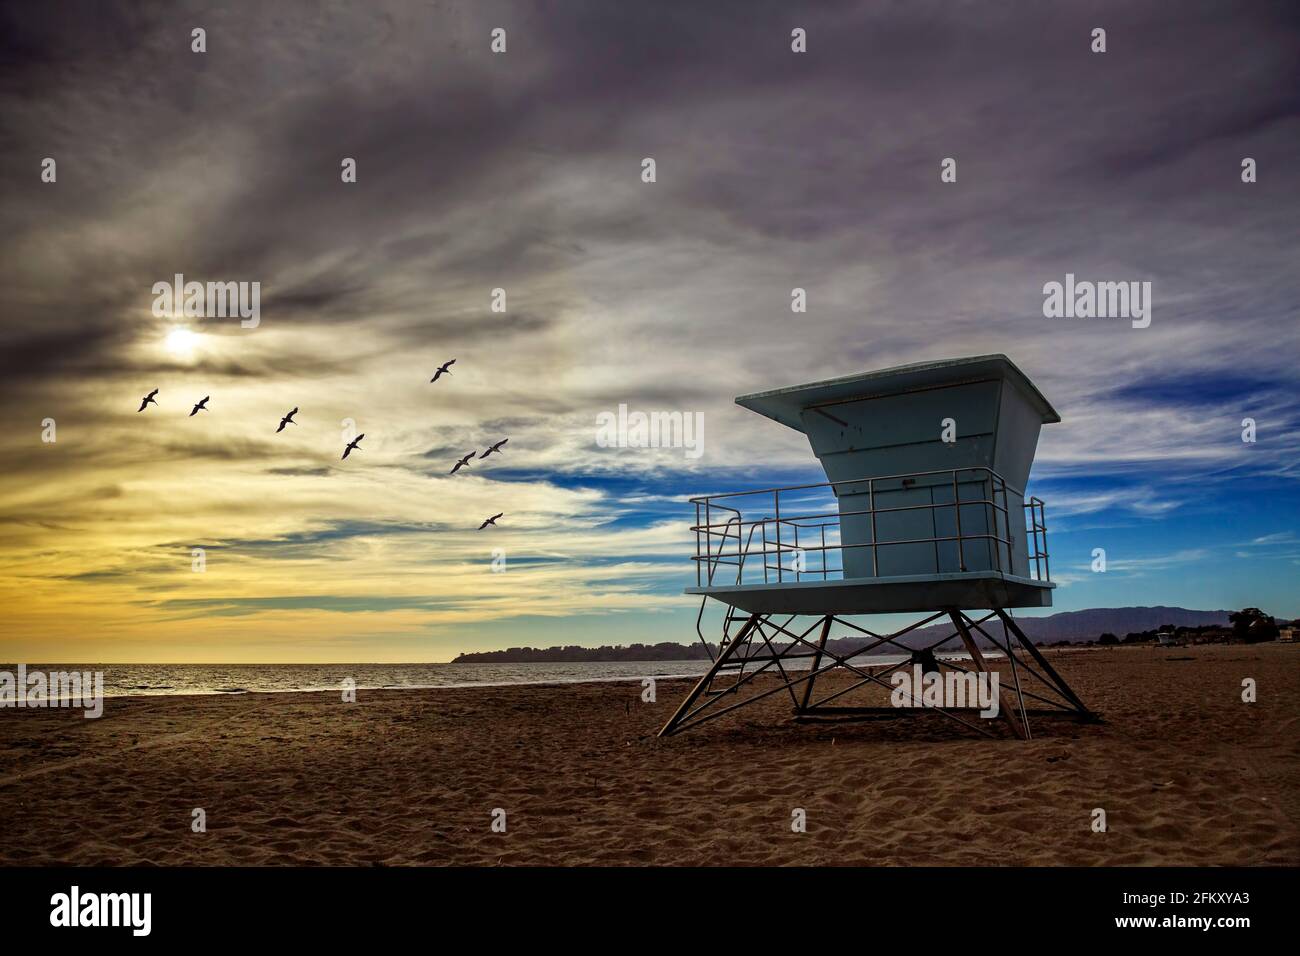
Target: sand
column 1187, row 773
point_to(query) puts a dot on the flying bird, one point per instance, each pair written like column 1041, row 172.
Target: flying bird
column 491, row 521
column 287, row 420
column 463, row 462
column 443, row 371
column 355, row 443
column 200, row 407
column 496, row 447
column 147, row 400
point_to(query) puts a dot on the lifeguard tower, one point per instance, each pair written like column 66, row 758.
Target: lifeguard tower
column 924, row 511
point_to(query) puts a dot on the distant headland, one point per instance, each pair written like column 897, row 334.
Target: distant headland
column 1112, row 625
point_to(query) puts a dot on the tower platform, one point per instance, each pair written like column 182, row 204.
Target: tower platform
column 920, row 592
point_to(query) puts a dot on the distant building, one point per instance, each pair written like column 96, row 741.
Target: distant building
column 1286, row 635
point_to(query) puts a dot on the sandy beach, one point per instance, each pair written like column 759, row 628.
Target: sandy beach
column 1187, row 773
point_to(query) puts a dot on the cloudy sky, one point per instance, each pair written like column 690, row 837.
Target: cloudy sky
column 522, row 171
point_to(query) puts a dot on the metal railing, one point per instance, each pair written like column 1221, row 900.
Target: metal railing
column 1036, row 528
column 803, row 521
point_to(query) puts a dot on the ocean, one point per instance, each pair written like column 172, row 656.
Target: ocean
column 127, row 680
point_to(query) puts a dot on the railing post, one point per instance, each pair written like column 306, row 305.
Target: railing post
column 1033, row 530
column 875, row 551
column 991, row 513
column 1047, row 555
column 956, row 510
column 1006, row 519
column 933, row 508
column 797, row 573
column 1040, row 543
column 1031, row 554
column 743, row 550
column 708, row 534
column 823, row 552
column 697, row 544
column 776, row 499
column 1038, row 548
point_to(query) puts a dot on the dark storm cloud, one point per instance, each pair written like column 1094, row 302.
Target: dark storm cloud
column 40, row 355
column 775, row 170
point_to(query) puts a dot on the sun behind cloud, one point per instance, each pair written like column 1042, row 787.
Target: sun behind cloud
column 181, row 343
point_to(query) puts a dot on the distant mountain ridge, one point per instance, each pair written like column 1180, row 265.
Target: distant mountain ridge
column 1063, row 626
column 1092, row 623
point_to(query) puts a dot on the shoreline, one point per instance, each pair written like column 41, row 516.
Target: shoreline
column 468, row 685
column 134, row 693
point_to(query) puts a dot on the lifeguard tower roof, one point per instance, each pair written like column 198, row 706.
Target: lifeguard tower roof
column 787, row 405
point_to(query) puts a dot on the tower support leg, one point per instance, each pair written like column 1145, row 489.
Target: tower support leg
column 1004, row 701
column 817, row 662
column 770, row 673
column 725, row 655
column 1013, row 628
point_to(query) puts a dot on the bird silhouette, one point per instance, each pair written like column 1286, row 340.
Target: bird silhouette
column 355, row 443
column 147, row 400
column 492, row 448
column 287, row 420
column 463, row 462
column 491, row 521
column 200, row 407
column 443, row 371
